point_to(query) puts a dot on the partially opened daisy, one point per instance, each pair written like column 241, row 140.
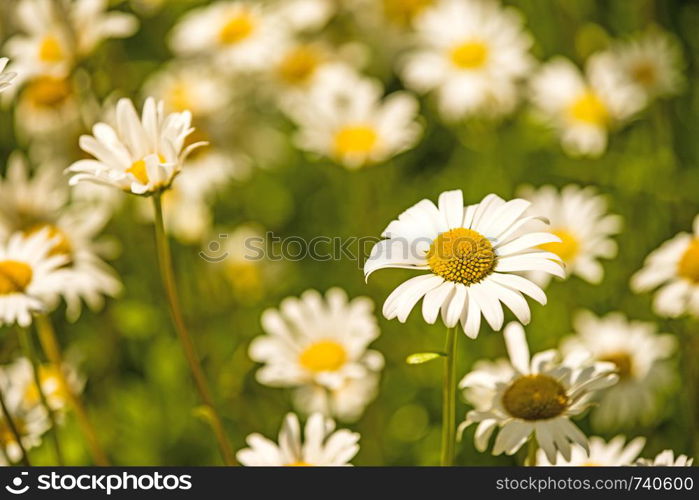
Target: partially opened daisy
column 240, row 35
column 345, row 117
column 142, row 155
column 28, row 277
column 639, row 354
column 584, row 108
column 653, row 62
column 615, row 453
column 470, row 256
column 472, row 54
column 673, row 268
column 318, row 342
column 6, row 77
column 318, row 445
column 537, row 400
column 578, row 216
column 666, row 458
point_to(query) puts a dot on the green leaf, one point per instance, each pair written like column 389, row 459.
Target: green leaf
column 423, row 357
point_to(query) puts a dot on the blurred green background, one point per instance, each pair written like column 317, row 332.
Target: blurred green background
column 139, row 392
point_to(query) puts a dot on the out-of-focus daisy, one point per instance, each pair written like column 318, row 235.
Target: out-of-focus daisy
column 666, row 458
column 319, row 445
column 653, row 62
column 347, row 402
column 578, row 216
column 471, row 255
column 537, row 400
column 344, row 116
column 638, row 353
column 615, row 453
column 32, row 203
column 47, row 105
column 22, row 375
column 304, row 15
column 31, row 422
column 28, row 277
column 50, row 45
column 673, row 268
column 584, row 108
column 472, row 53
column 142, row 155
column 6, row 77
column 404, row 12
column 319, row 342
column 242, row 35
column 189, row 87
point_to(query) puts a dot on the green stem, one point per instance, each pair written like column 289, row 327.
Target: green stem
column 52, row 350
column 13, row 429
column 449, row 399
column 532, row 448
column 28, row 347
column 168, row 277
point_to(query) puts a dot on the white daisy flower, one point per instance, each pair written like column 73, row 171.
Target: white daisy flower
column 615, row 453
column 6, row 77
column 240, row 35
column 578, row 216
column 667, row 458
column 47, row 105
column 472, row 256
column 142, row 155
column 473, row 54
column 673, row 268
column 320, row 445
column 584, row 108
column 28, row 277
column 320, row 342
column 31, row 203
column 345, row 117
column 45, row 46
column 653, row 62
column 30, row 422
column 537, row 400
column 638, row 353
column 22, row 375
column 193, row 87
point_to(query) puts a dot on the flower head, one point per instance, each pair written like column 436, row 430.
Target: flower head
column 319, row 445
column 473, row 54
column 471, row 256
column 584, row 108
column 142, row 155
column 321, row 343
column 673, row 268
column 537, row 399
column 578, row 216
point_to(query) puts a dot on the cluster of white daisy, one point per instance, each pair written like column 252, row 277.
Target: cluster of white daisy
column 197, row 131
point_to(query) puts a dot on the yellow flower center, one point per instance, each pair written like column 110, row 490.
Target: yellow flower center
column 535, row 397
column 355, row 139
column 237, row 28
column 140, row 172
column 688, row 266
column 51, row 385
column 461, row 255
column 299, row 464
column 15, row 277
column 592, row 464
column 48, row 92
column 644, row 73
column 323, row 356
column 470, row 55
column 404, row 11
column 589, row 108
column 299, row 64
column 623, row 362
column 50, row 50
column 567, row 249
column 62, row 245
